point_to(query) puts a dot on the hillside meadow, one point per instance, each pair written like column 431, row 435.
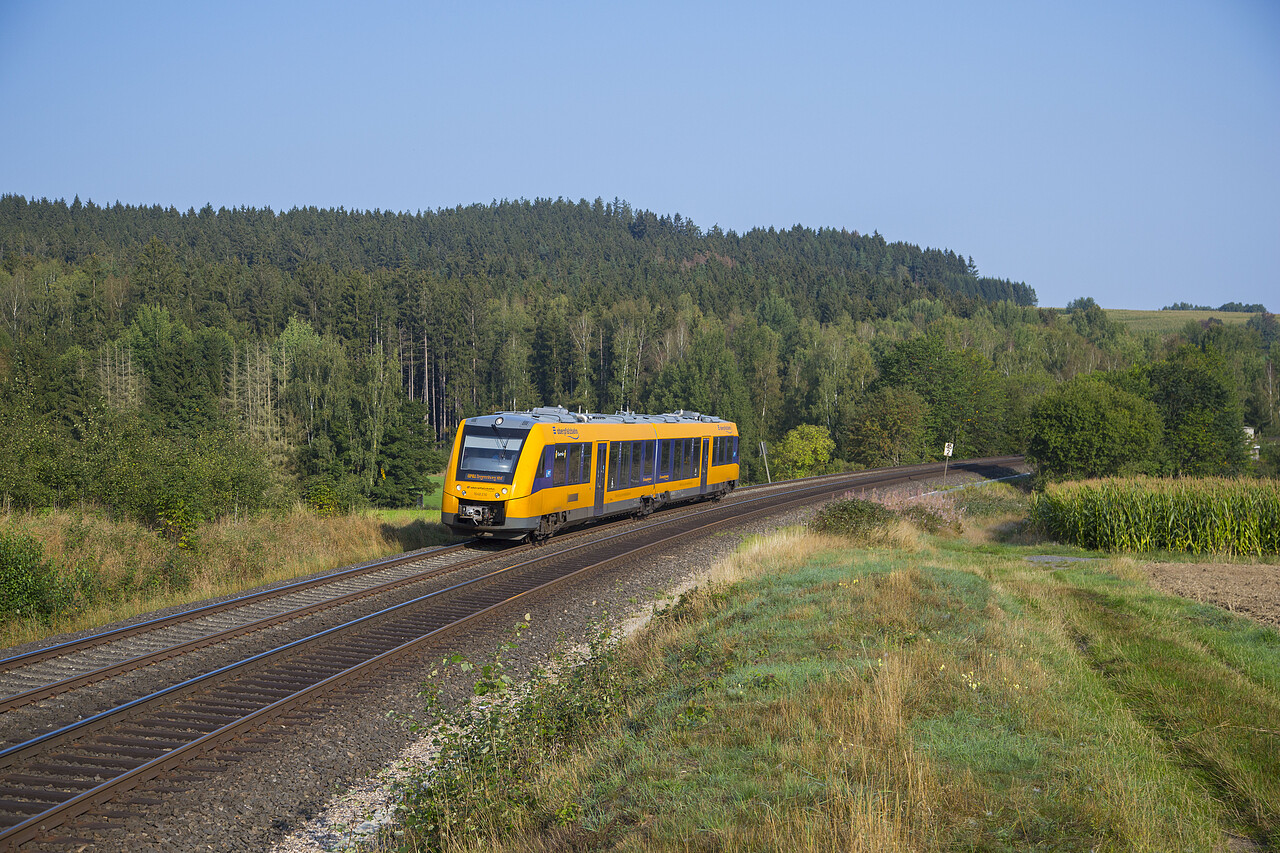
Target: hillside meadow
column 883, row 688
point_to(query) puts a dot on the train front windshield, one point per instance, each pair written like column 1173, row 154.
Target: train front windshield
column 489, row 454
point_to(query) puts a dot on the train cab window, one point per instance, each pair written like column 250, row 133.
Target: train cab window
column 560, row 465
column 489, row 454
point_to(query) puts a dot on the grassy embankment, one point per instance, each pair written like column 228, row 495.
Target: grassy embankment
column 112, row 570
column 1168, row 322
column 888, row 689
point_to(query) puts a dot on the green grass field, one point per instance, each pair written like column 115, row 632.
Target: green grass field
column 1168, row 322
column 933, row 692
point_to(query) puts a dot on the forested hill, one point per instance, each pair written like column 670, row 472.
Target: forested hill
column 183, row 366
column 564, row 244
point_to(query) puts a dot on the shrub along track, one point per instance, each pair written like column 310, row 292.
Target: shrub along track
column 85, row 772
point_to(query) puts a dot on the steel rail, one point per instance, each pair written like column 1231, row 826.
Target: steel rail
column 17, row 700
column 82, row 643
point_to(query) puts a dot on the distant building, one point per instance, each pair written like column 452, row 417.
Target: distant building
column 1251, row 441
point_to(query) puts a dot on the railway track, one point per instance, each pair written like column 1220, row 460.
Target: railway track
column 84, row 771
column 47, row 672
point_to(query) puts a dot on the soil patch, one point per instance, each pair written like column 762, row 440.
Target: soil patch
column 1247, row 590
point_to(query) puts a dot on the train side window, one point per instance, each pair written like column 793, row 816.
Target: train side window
column 560, row 464
column 637, row 460
column 615, row 462
column 735, row 450
column 717, row 448
column 697, row 456
column 575, row 464
column 677, row 459
column 650, row 454
column 664, row 458
column 586, row 462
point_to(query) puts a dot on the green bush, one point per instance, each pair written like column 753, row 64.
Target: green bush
column 853, row 517
column 29, row 586
column 170, row 482
column 1089, row 428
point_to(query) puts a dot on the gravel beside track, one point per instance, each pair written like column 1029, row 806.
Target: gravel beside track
column 285, row 775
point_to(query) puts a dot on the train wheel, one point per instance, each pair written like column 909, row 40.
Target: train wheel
column 546, row 526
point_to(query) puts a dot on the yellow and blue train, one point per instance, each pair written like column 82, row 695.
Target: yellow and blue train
column 524, row 475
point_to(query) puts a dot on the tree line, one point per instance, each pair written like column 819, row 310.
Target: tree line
column 244, row 358
column 1252, row 308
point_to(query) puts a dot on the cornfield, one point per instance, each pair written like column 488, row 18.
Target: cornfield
column 1200, row 516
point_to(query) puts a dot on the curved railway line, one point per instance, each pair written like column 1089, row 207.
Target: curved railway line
column 59, row 774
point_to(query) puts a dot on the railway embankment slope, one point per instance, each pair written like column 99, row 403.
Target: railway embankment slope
column 916, row 682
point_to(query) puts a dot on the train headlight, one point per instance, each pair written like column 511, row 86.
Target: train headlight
column 458, row 487
column 497, row 421
column 504, row 491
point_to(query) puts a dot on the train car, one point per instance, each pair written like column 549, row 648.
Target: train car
column 524, row 475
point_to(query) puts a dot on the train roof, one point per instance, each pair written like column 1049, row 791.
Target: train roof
column 561, row 415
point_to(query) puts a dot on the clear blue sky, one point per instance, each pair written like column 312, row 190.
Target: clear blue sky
column 1124, row 151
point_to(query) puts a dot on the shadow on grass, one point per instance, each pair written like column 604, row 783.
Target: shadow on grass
column 417, row 533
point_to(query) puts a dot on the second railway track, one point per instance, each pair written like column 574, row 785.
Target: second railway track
column 74, row 771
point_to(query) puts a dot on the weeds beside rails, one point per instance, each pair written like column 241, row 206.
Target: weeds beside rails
column 481, row 784
column 885, row 520
column 1200, row 516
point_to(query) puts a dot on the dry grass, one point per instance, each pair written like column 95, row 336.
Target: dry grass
column 774, row 554
column 126, row 569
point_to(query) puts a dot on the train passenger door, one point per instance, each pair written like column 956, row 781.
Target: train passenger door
column 602, row 458
column 706, row 458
